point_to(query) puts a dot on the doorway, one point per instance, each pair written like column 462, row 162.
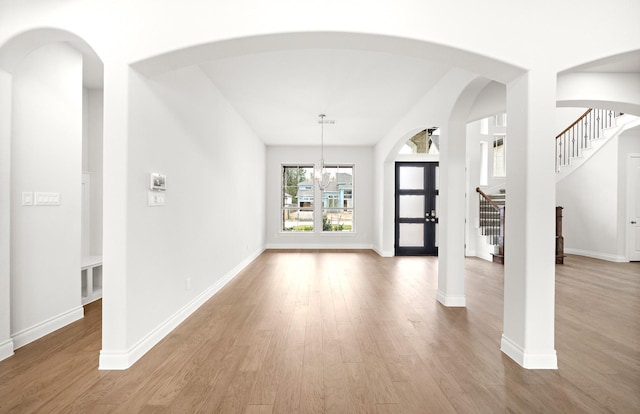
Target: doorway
column 633, row 208
column 416, row 216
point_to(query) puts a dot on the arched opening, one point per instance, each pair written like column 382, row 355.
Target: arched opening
column 51, row 150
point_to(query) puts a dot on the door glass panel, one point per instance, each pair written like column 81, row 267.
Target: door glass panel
column 411, row 235
column 411, row 178
column 411, row 206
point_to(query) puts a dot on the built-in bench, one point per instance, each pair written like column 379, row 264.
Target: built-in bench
column 91, row 274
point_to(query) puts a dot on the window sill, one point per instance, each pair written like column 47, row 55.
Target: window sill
column 323, row 234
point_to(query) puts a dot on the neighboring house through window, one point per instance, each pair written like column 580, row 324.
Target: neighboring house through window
column 298, row 193
column 337, row 199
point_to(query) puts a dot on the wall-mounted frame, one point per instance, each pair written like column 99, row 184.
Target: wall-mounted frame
column 157, row 182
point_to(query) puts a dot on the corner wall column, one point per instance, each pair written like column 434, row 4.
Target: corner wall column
column 115, row 155
column 451, row 215
column 529, row 271
column 6, row 343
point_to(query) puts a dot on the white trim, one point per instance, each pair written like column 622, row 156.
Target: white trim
column 628, row 227
column 321, row 234
column 43, row 328
column 321, row 246
column 383, row 253
column 119, row 360
column 451, row 301
column 6, row 349
column 597, row 255
column 526, row 359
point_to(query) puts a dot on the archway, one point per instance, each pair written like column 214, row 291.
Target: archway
column 43, row 74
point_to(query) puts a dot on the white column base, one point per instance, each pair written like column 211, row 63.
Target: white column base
column 526, row 359
column 452, row 301
column 6, row 349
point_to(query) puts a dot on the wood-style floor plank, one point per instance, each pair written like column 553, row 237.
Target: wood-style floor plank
column 351, row 332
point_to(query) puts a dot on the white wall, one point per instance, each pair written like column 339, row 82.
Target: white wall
column 214, row 218
column 94, row 123
column 361, row 158
column 590, row 197
column 195, row 23
column 616, row 91
column 46, row 156
column 628, row 143
column 6, row 343
column 566, row 117
column 433, row 109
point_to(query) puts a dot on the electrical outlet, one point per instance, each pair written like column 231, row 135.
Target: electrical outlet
column 187, row 283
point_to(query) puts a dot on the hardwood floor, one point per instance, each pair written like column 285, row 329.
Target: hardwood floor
column 351, row 332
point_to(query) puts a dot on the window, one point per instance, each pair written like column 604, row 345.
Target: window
column 501, row 120
column 299, row 190
column 297, row 198
column 424, row 142
column 337, row 199
column 499, row 156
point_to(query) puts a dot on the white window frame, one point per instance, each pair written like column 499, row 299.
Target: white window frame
column 284, row 208
column 353, row 201
column 318, row 206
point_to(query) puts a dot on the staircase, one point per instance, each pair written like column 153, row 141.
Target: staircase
column 491, row 222
column 577, row 143
column 586, row 135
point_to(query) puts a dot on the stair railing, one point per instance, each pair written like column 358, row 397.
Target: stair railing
column 578, row 136
column 495, row 233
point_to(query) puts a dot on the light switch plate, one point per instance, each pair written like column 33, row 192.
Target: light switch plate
column 27, row 198
column 47, row 199
column 156, row 198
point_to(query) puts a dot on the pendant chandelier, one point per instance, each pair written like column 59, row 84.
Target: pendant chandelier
column 320, row 170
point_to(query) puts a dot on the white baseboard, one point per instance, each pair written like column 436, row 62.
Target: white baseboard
column 597, row 255
column 384, row 253
column 119, row 360
column 526, row 359
column 319, row 246
column 451, row 301
column 6, row 349
column 41, row 329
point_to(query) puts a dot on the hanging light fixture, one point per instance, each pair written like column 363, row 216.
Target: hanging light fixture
column 320, row 170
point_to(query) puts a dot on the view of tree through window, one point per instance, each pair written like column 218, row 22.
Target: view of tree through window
column 424, row 142
column 297, row 198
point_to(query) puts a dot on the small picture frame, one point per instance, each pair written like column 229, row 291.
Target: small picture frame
column 157, row 182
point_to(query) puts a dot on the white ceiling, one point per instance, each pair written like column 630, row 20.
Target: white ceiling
column 281, row 93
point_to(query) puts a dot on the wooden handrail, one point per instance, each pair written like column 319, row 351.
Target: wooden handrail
column 486, row 197
column 574, row 123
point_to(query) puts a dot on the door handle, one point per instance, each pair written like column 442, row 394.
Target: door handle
column 633, row 222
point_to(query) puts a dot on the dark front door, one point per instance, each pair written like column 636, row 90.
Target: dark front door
column 416, row 209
